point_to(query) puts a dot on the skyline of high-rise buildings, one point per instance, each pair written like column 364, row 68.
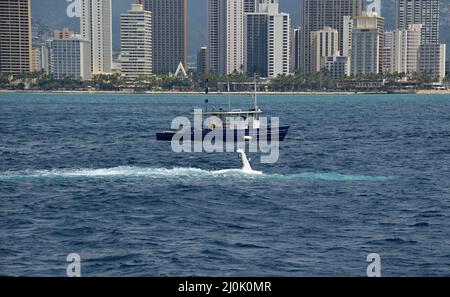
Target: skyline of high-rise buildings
column 255, row 37
column 317, row 14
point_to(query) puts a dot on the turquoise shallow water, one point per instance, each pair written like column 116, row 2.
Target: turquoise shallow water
column 356, row 175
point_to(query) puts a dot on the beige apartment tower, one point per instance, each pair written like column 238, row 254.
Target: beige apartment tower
column 367, row 44
column 370, row 20
column 324, row 43
column 405, row 49
column 96, row 27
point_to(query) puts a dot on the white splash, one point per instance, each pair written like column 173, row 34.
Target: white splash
column 176, row 173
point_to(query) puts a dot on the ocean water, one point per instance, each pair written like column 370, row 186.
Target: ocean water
column 357, row 175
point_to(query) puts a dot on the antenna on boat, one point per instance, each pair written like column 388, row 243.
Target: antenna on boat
column 206, row 95
column 229, row 98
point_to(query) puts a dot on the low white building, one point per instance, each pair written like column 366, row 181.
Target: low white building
column 337, row 66
column 70, row 58
column 432, row 60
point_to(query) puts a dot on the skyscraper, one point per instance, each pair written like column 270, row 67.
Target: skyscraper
column 225, row 36
column 15, row 36
column 324, row 43
column 405, row 49
column 136, row 42
column 96, row 27
column 366, row 45
column 170, row 24
column 425, row 12
column 267, row 40
column 347, row 36
column 296, row 49
column 317, row 14
column 371, row 19
column 387, row 52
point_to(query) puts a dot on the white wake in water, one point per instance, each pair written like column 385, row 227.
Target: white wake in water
column 180, row 173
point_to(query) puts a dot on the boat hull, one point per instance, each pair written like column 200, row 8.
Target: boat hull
column 236, row 135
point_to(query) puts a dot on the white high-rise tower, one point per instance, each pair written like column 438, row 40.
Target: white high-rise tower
column 267, row 40
column 226, row 36
column 136, row 42
column 96, row 26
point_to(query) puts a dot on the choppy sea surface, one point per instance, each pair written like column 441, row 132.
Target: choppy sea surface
column 357, row 174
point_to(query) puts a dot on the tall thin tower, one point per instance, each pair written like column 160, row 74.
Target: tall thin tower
column 226, row 36
column 96, row 26
column 15, row 36
column 136, row 42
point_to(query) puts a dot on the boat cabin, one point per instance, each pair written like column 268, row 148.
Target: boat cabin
column 234, row 119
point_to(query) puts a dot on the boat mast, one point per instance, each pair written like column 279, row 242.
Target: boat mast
column 229, row 95
column 206, row 95
column 255, row 96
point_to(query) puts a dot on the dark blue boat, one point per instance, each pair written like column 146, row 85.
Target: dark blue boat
column 233, row 125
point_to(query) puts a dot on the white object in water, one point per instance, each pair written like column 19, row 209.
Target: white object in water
column 246, row 168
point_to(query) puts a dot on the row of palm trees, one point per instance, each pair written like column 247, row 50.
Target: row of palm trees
column 196, row 81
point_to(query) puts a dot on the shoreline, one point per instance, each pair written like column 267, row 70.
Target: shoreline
column 418, row 92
